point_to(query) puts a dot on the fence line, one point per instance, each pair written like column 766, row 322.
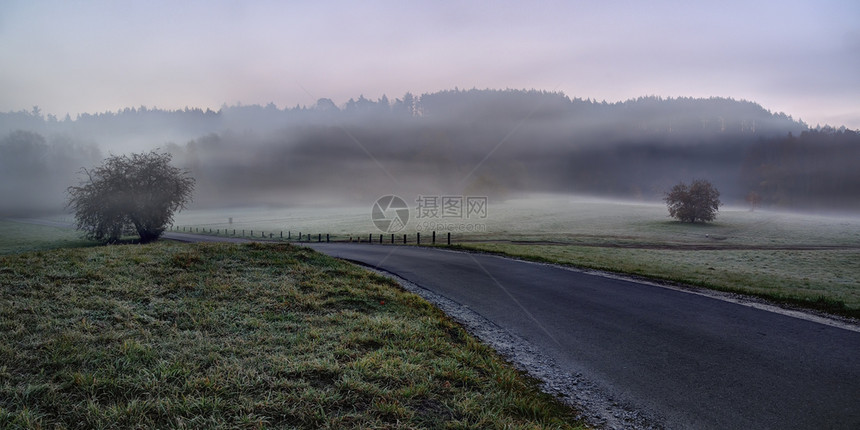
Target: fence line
column 307, row 237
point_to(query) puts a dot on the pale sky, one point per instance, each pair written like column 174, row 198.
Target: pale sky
column 797, row 57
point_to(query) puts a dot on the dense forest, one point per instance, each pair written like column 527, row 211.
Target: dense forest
column 499, row 143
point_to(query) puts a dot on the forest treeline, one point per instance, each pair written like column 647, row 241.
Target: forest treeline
column 499, row 143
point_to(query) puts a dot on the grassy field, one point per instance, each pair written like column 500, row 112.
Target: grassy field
column 16, row 237
column 808, row 260
column 240, row 336
column 818, row 279
column 552, row 218
column 339, row 222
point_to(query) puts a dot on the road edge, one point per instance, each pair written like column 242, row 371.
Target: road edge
column 595, row 403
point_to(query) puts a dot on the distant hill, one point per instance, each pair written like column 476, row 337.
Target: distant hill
column 640, row 117
column 490, row 142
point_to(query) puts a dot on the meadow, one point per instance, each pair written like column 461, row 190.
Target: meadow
column 553, row 218
column 171, row 335
column 17, row 237
column 807, row 260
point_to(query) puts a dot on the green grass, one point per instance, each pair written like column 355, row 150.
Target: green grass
column 16, row 237
column 823, row 279
column 240, row 336
column 800, row 259
column 557, row 218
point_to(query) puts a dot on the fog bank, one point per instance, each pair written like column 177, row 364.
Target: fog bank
column 477, row 142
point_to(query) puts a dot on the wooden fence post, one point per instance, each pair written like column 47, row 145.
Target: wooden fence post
column 434, row 237
column 449, row 238
column 326, row 238
column 404, row 239
column 418, row 238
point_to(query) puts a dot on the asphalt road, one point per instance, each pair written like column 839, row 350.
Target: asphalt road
column 693, row 360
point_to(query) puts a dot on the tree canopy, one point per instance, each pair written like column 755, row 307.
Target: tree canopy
column 699, row 201
column 137, row 193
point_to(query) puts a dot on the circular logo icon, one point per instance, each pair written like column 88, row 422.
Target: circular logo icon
column 390, row 214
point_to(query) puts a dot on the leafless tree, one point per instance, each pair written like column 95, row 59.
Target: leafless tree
column 137, row 193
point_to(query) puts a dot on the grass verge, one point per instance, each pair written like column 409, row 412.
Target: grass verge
column 825, row 280
column 17, row 237
column 229, row 336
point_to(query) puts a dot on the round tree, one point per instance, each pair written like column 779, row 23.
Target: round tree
column 699, row 201
column 130, row 194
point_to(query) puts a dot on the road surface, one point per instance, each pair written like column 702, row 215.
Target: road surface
column 692, row 360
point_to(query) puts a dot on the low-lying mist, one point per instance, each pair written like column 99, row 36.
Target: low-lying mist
column 499, row 144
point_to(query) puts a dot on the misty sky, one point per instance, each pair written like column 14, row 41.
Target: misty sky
column 799, row 57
